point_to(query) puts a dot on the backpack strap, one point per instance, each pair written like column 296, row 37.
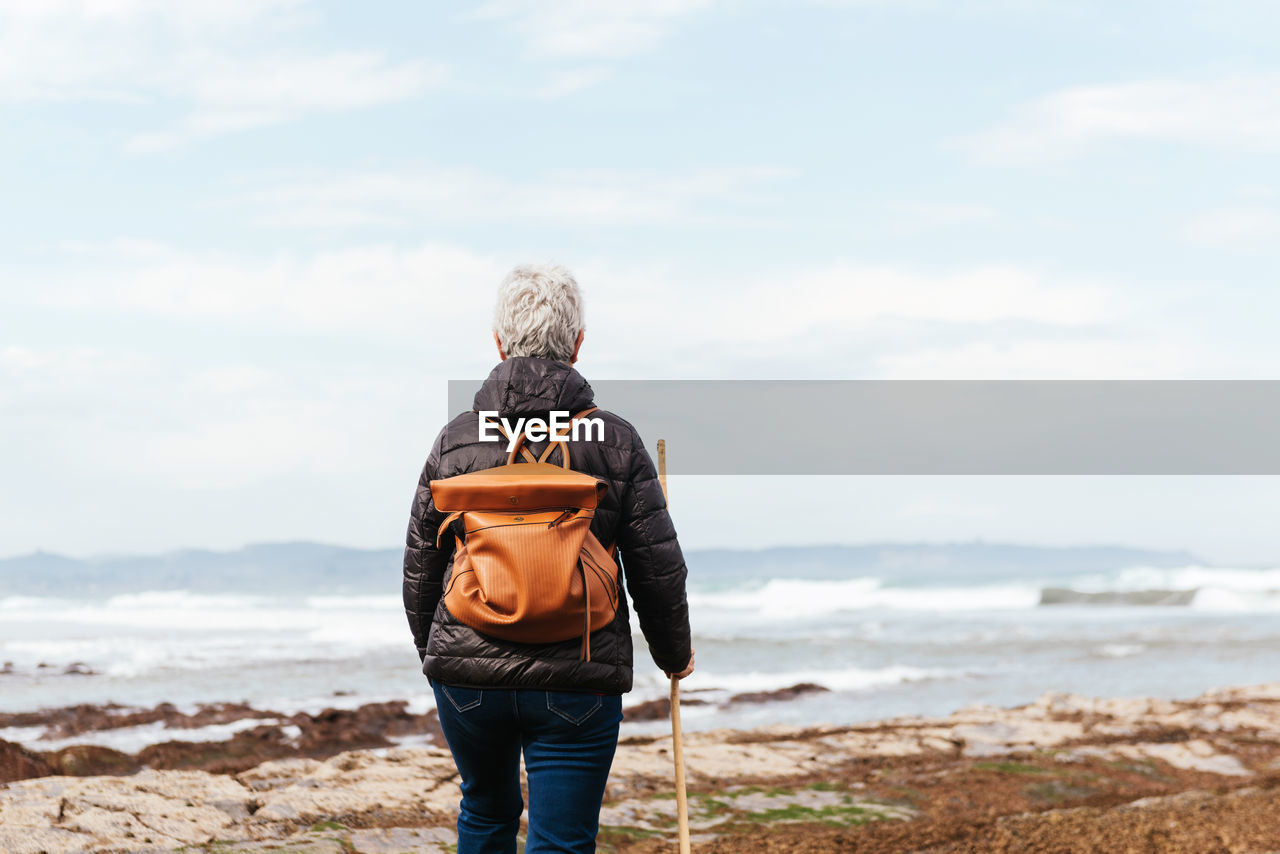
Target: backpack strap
column 585, row 654
column 528, row 457
column 559, row 442
column 444, row 526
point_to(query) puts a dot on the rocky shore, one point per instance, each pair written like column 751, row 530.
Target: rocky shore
column 249, row 737
column 1065, row 773
column 226, row 738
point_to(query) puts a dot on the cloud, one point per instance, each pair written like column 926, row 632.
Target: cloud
column 645, row 320
column 328, row 365
column 19, row 358
column 575, row 29
column 329, row 368
column 161, row 420
column 359, row 291
column 1088, row 356
column 236, row 95
column 568, row 82
column 1239, row 113
column 1247, row 227
column 928, row 214
column 385, row 292
column 46, row 391
column 849, row 296
column 585, row 197
column 218, row 64
column 833, row 321
column 233, row 379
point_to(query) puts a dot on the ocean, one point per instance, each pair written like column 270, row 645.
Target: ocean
column 883, row 636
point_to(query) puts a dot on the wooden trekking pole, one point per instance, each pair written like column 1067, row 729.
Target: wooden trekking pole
column 677, row 738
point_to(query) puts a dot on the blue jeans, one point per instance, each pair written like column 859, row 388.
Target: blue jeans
column 568, row 739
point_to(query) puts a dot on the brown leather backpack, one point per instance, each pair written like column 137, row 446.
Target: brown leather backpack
column 527, row 567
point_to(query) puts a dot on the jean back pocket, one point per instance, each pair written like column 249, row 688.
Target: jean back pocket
column 574, row 706
column 462, row 699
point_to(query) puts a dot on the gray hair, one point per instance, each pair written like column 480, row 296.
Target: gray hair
column 539, row 312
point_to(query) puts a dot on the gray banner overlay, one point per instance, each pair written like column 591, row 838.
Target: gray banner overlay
column 1003, row 427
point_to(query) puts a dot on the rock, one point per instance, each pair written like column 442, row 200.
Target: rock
column 781, row 694
column 40, row 840
column 1195, row 755
column 18, row 763
column 277, row 774
column 241, row 752
column 83, row 760
column 1004, row 736
column 396, row 840
column 172, row 808
column 654, row 710
column 301, row 802
column 1067, row 596
column 660, row 709
column 651, row 710
column 416, row 782
column 370, row 725
column 322, row 735
column 74, row 720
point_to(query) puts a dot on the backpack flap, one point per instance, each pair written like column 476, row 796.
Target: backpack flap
column 524, row 486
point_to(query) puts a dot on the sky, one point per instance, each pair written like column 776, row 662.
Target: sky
column 245, row 244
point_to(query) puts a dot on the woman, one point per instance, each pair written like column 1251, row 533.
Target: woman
column 497, row 699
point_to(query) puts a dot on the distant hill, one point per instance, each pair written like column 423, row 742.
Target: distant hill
column 315, row 568
column 267, row 568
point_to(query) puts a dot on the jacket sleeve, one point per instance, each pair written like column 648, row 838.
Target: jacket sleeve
column 653, row 564
column 424, row 564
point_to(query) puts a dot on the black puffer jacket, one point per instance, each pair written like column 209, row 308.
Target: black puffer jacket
column 632, row 514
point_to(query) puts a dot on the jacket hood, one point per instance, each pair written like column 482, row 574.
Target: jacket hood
column 524, row 385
